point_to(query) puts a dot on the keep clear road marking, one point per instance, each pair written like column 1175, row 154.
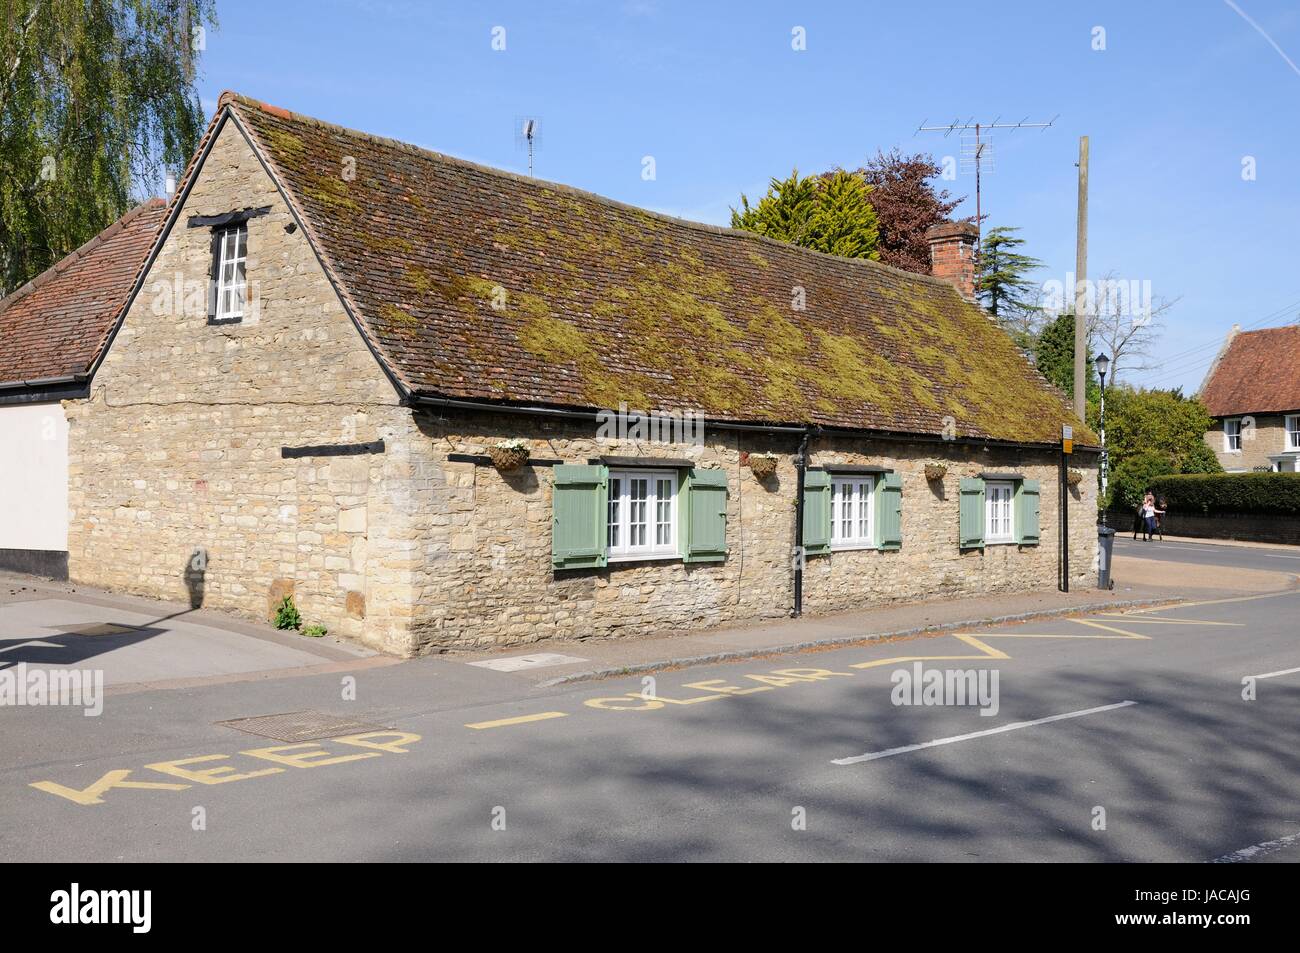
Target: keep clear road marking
column 890, row 752
column 986, row 653
column 520, row 720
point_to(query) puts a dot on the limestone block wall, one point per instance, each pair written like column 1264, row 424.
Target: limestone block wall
column 179, row 448
column 1267, row 438
column 930, row 563
column 486, row 577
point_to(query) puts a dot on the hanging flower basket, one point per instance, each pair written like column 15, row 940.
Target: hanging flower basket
column 935, row 471
column 1074, row 477
column 509, row 455
column 763, row 465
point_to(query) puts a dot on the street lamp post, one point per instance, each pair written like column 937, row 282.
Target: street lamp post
column 1103, row 365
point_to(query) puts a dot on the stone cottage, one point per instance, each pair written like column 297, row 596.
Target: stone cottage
column 52, row 335
column 446, row 406
column 1252, row 391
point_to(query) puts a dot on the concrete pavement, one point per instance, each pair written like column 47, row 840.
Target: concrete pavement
column 139, row 644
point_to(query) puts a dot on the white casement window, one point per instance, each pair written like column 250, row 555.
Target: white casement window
column 999, row 525
column 1232, row 435
column 851, row 513
column 642, row 514
column 232, row 258
column 1293, row 432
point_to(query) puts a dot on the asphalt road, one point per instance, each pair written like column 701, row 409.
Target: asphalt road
column 800, row 757
column 1278, row 559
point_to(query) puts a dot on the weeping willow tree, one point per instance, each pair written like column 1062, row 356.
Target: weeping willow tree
column 97, row 98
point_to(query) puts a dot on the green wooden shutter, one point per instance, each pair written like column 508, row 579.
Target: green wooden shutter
column 703, row 517
column 816, row 512
column 971, row 513
column 1027, row 501
column 580, row 506
column 889, row 511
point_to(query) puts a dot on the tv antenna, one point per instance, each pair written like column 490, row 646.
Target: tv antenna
column 977, row 152
column 528, row 131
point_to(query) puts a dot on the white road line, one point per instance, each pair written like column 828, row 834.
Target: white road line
column 1285, row 671
column 889, row 753
column 1258, row 850
column 1276, row 556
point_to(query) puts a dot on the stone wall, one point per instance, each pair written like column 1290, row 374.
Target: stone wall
column 179, row 447
column 178, row 451
column 1267, row 440
column 487, row 578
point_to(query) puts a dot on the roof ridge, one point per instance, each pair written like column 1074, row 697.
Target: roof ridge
column 76, row 255
column 1294, row 326
column 231, row 97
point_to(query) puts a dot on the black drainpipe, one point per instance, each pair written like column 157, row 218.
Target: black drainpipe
column 801, row 467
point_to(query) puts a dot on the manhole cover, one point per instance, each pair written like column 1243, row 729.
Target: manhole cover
column 300, row 726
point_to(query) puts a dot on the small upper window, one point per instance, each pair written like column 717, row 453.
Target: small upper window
column 231, row 252
column 642, row 514
column 1232, row 435
column 1293, row 432
column 999, row 526
column 851, row 513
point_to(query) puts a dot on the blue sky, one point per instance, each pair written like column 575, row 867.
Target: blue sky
column 1181, row 94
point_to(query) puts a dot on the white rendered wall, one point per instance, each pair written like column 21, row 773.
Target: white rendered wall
column 33, row 477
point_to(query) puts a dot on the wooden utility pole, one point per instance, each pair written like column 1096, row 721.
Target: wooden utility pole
column 1081, row 286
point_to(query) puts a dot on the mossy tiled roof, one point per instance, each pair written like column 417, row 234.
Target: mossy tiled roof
column 57, row 323
column 476, row 283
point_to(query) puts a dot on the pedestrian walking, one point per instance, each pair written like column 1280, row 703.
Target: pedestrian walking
column 1149, row 513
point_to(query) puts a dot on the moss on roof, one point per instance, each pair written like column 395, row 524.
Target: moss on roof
column 605, row 303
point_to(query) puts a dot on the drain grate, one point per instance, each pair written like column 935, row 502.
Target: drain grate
column 300, row 726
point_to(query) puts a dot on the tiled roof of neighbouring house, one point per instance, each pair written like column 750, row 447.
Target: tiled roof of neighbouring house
column 56, row 324
column 1258, row 373
column 480, row 284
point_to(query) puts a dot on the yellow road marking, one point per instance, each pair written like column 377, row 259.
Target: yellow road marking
column 716, row 689
column 1152, row 620
column 989, row 652
column 1110, row 628
column 1218, row 602
column 1035, row 635
column 397, row 742
column 519, row 720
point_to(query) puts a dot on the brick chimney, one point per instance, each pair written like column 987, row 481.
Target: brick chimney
column 952, row 255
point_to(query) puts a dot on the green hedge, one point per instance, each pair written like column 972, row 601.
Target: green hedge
column 1265, row 493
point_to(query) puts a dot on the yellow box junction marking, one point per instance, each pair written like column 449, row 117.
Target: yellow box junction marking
column 310, row 754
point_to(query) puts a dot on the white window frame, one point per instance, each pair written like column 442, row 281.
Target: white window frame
column 1292, row 431
column 852, row 500
column 998, row 511
column 1229, row 435
column 232, row 272
column 621, row 532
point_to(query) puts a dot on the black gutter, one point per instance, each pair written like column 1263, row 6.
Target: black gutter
column 457, row 403
column 45, row 390
column 44, row 382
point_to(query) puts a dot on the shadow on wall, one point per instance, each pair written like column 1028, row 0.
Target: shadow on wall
column 195, row 570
